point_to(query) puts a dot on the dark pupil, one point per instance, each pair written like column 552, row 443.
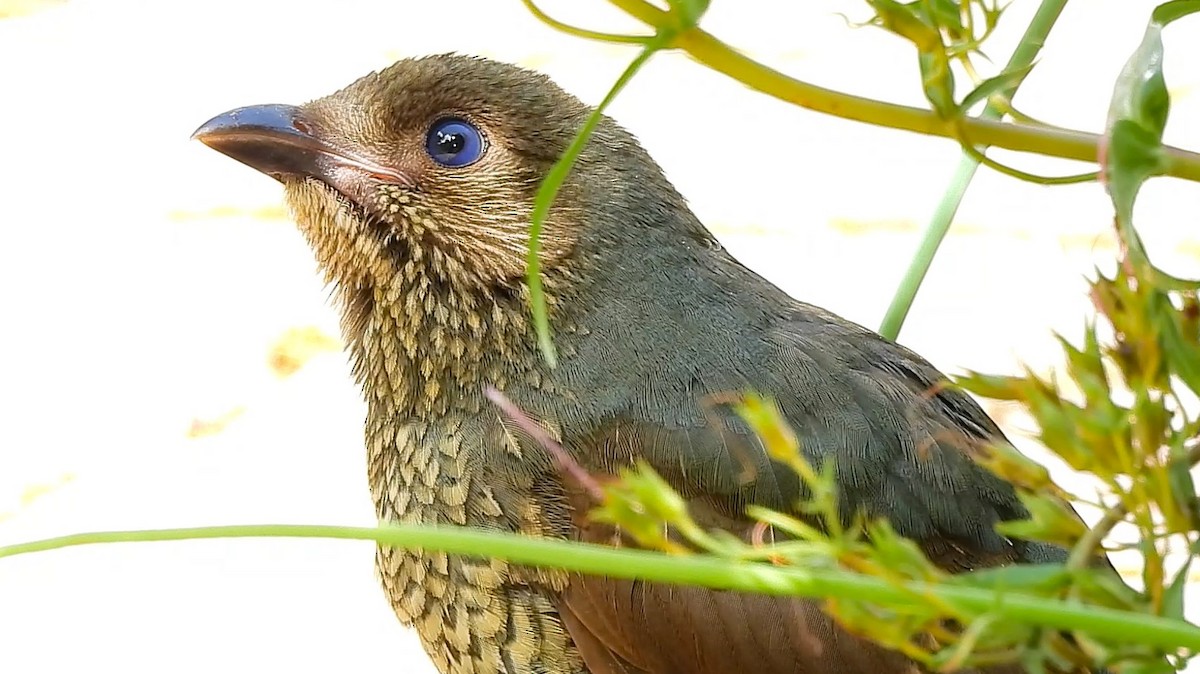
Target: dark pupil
column 450, row 143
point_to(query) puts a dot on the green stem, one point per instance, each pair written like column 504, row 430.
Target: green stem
column 1044, row 140
column 583, row 32
column 701, row 570
column 1027, row 50
column 548, row 190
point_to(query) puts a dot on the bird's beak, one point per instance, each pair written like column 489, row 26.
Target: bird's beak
column 274, row 139
column 280, row 142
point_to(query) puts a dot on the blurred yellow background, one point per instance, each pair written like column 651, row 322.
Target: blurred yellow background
column 168, row 359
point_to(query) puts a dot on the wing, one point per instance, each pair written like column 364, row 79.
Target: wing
column 899, row 441
column 634, row 627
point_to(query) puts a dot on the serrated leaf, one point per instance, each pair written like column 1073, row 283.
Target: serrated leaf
column 910, row 22
column 1050, row 521
column 1013, row 467
column 1182, row 351
column 1059, row 423
column 994, row 386
column 1086, row 366
column 1153, row 421
column 943, row 13
column 1183, row 492
column 765, row 419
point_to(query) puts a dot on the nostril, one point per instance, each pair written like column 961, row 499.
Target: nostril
column 301, row 126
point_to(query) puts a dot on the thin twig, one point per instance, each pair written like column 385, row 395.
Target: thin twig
column 1087, row 546
column 583, row 32
column 566, row 462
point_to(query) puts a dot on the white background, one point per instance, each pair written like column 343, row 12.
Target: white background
column 139, row 292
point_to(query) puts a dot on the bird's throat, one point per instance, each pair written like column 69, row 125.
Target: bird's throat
column 421, row 349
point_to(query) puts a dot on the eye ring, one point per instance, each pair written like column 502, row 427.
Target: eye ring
column 454, row 142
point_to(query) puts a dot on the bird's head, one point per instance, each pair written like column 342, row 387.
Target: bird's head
column 432, row 164
column 415, row 188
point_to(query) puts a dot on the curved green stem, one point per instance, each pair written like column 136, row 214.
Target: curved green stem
column 548, row 189
column 1045, row 140
column 583, row 32
column 701, row 570
column 980, row 158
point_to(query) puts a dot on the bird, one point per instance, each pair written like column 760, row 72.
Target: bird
column 414, row 187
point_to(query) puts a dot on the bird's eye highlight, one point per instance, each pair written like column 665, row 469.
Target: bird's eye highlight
column 454, row 143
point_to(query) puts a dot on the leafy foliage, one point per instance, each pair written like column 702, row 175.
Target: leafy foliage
column 1144, row 346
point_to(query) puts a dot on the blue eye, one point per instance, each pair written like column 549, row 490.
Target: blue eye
column 454, row 143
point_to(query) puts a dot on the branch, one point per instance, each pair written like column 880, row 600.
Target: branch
column 1049, row 141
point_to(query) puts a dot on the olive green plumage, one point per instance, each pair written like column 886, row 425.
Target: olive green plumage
column 651, row 315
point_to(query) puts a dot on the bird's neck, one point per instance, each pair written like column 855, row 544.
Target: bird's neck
column 423, row 346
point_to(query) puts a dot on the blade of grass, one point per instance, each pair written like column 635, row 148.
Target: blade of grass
column 701, row 570
column 549, row 189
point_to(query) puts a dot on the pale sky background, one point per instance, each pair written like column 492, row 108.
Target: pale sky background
column 144, row 279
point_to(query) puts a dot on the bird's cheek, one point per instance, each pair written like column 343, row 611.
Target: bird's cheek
column 348, row 248
column 318, row 209
column 352, row 182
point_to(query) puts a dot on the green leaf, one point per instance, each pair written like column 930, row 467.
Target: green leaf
column 1177, row 9
column 1086, row 366
column 1182, row 350
column 910, row 21
column 946, row 14
column 1153, row 421
column 1104, row 587
column 1006, row 81
column 1183, row 491
column 994, row 386
column 641, row 503
column 1173, row 599
column 900, row 555
column 1013, row 467
column 937, row 80
column 1133, row 155
column 1051, row 521
column 907, row 22
column 766, row 420
column 1140, row 92
column 1132, row 148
